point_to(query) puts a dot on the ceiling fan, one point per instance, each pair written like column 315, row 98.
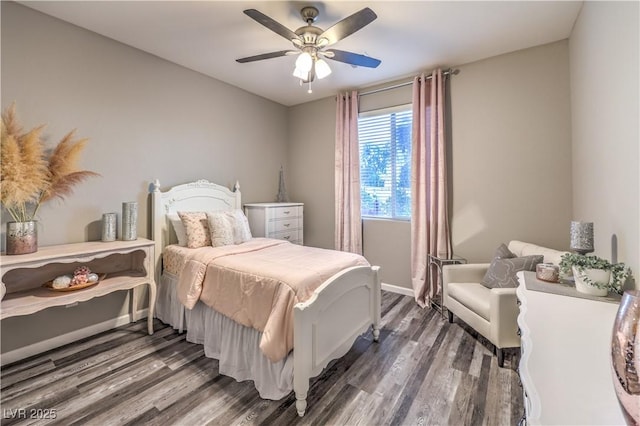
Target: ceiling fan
column 311, row 42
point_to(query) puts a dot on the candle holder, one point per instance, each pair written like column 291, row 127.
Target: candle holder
column 109, row 224
column 129, row 221
column 582, row 237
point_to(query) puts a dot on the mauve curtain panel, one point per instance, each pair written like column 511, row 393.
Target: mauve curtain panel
column 348, row 231
column 430, row 232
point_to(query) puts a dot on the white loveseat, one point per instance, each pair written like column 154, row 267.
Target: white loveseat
column 492, row 312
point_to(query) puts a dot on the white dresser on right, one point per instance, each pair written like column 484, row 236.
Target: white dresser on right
column 283, row 221
column 565, row 364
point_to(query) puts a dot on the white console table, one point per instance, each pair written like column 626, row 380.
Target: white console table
column 565, row 365
column 128, row 265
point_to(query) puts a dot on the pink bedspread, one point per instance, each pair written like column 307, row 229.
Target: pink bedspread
column 257, row 284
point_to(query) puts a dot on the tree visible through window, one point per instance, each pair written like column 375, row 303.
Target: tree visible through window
column 385, row 162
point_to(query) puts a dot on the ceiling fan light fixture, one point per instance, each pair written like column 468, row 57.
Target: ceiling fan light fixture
column 304, row 62
column 302, row 75
column 322, row 68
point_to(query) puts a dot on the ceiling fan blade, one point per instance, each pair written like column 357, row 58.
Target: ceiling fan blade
column 266, row 56
column 270, row 23
column 352, row 58
column 349, row 25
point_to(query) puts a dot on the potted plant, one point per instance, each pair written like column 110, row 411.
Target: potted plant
column 31, row 175
column 594, row 275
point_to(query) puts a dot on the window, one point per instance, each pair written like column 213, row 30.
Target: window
column 385, row 162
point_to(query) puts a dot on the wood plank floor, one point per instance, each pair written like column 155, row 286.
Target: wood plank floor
column 424, row 371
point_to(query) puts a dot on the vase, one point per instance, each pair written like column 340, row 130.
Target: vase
column 625, row 356
column 22, row 237
column 599, row 276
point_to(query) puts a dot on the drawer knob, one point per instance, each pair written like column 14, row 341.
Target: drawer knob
column 286, row 225
column 287, row 212
column 287, row 237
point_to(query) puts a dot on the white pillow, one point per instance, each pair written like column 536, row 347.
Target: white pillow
column 240, row 225
column 178, row 228
column 221, row 229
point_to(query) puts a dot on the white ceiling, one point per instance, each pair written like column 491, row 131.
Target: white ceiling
column 408, row 36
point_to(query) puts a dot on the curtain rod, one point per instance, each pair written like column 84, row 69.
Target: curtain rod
column 406, row 83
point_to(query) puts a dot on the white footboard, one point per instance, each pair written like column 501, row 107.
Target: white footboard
column 326, row 325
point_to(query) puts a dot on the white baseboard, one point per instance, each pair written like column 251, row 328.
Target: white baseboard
column 56, row 342
column 397, row 289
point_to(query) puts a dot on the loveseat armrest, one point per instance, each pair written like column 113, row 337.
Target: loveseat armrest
column 503, row 316
column 463, row 273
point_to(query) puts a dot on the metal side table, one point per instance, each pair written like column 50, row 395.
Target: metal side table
column 439, row 262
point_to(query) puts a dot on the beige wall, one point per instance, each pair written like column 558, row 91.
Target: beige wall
column 510, row 144
column 146, row 118
column 310, row 174
column 604, row 49
column 511, row 151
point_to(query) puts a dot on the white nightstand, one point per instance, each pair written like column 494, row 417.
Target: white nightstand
column 282, row 221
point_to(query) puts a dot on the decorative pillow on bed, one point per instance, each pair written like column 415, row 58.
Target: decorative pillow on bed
column 196, row 228
column 221, row 229
column 502, row 272
column 240, row 225
column 178, row 228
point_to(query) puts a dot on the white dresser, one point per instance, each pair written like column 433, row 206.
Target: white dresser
column 565, row 365
column 283, row 221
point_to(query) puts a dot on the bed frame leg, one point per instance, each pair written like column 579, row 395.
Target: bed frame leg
column 376, row 333
column 301, row 404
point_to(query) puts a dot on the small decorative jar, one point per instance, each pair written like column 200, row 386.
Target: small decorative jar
column 547, row 272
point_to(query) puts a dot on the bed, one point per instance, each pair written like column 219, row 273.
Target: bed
column 325, row 325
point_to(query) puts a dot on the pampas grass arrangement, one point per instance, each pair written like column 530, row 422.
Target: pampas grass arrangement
column 29, row 174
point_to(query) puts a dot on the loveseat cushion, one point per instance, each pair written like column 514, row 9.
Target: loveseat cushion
column 502, row 272
column 473, row 296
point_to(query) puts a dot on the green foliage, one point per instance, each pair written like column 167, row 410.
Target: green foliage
column 374, row 160
column 619, row 272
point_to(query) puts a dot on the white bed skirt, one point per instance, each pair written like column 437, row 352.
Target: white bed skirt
column 236, row 347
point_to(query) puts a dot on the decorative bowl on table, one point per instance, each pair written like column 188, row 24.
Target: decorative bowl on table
column 82, row 278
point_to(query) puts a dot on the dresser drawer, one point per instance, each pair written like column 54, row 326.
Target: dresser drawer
column 291, row 236
column 283, row 225
column 286, row 212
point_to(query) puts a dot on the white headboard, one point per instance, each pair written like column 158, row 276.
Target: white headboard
column 200, row 195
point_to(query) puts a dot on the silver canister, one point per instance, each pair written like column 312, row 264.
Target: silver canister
column 129, row 221
column 109, row 226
